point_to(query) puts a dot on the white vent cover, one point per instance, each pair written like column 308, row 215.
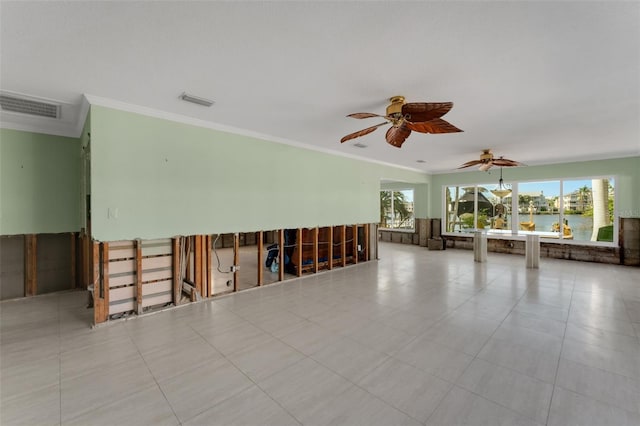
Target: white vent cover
column 23, row 105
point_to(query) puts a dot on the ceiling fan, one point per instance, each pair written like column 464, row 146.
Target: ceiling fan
column 404, row 117
column 487, row 161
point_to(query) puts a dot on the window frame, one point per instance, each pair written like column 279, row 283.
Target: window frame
column 514, row 233
column 413, row 213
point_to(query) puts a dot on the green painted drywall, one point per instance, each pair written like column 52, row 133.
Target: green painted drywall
column 160, row 178
column 627, row 171
column 39, row 183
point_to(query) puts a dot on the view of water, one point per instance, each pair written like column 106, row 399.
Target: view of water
column 581, row 226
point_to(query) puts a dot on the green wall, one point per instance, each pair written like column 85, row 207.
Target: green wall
column 153, row 178
column 627, row 171
column 39, row 183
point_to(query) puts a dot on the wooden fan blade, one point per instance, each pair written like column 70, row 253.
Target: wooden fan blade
column 470, row 163
column 361, row 115
column 361, row 132
column 397, row 135
column 437, row 125
column 422, row 111
column 505, row 162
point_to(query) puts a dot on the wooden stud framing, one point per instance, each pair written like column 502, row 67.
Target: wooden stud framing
column 330, row 249
column 137, row 245
column 177, row 280
column 281, row 254
column 315, row 250
column 366, row 242
column 343, row 246
column 208, row 276
column 355, row 243
column 260, row 267
column 87, row 258
column 299, row 252
column 74, row 262
column 197, row 267
column 30, row 265
column 105, row 278
column 96, row 282
column 100, row 279
column 236, row 259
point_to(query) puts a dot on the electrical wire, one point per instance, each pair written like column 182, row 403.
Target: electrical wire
column 215, row 251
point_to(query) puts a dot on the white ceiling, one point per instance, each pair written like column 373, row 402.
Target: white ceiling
column 538, row 82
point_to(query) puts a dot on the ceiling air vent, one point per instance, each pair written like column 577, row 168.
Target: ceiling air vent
column 23, row 105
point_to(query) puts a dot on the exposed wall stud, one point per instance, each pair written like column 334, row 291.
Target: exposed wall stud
column 138, row 259
column 236, row 260
column 281, row 255
column 260, row 257
column 343, row 246
column 30, row 265
column 177, row 280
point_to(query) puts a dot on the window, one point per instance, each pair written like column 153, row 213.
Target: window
column 571, row 209
column 396, row 209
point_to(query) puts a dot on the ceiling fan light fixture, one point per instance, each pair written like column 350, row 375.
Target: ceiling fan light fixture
column 502, row 190
column 196, row 99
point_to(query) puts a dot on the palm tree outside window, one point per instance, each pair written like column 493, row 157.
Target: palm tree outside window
column 396, row 209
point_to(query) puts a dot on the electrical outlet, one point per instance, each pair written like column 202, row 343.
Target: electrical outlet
column 359, row 247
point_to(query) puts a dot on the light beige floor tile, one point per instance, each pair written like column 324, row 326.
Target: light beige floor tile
column 305, row 388
column 540, row 365
column 278, row 323
column 237, row 338
column 349, row 358
column 173, row 360
column 611, row 388
column 81, row 394
column 380, row 337
column 357, row 407
column 41, row 407
column 522, row 394
column 607, row 323
column 410, row 390
column 262, row 360
column 146, row 407
column 99, row 356
column 461, row 407
column 309, row 338
column 532, row 322
column 248, row 408
column 530, row 338
column 570, row 408
column 201, row 388
column 27, row 377
column 542, row 310
column 458, row 338
column 434, row 358
column 623, row 363
column 603, row 338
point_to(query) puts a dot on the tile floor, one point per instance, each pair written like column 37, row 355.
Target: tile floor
column 419, row 337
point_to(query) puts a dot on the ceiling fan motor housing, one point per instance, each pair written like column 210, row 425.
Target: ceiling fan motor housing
column 486, row 155
column 395, row 107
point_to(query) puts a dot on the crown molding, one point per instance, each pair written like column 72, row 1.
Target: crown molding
column 178, row 118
